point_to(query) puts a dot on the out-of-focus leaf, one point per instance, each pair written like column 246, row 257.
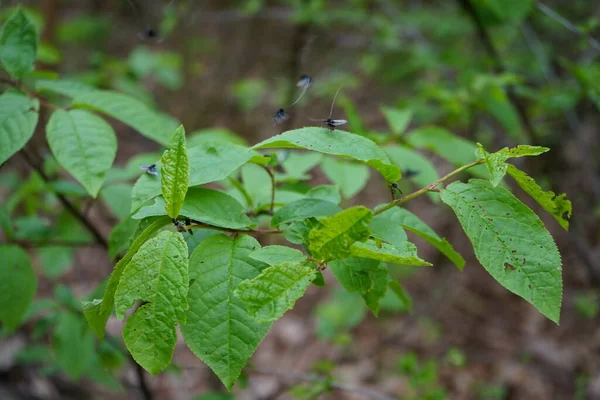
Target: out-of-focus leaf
column 18, row 285
column 175, row 173
column 18, row 44
column 18, row 118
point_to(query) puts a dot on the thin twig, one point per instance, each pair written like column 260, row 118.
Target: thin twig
column 273, row 186
column 17, row 85
column 372, row 394
column 429, row 188
column 201, row 225
column 568, row 25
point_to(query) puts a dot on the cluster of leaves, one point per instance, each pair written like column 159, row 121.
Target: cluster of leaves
column 219, row 285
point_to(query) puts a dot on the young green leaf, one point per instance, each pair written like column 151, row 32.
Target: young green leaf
column 18, row 118
column 329, row 193
column 275, row 254
column 351, row 177
column 268, row 296
column 84, row 144
column 130, row 111
column 337, row 143
column 414, row 224
column 557, row 205
column 209, row 162
column 158, row 276
column 18, row 285
column 405, row 255
column 175, row 173
column 97, row 311
column 510, row 242
column 496, row 162
column 397, row 119
column 219, row 330
column 302, row 209
column 335, row 235
column 120, row 236
column 388, row 231
column 208, row 206
column 63, row 87
column 73, row 344
column 18, row 44
column 354, row 273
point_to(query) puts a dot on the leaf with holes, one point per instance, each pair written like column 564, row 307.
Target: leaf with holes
column 208, row 206
column 84, row 144
column 496, row 162
column 268, row 296
column 158, row 277
column 130, row 111
column 337, row 143
column 175, row 174
column 557, row 205
column 335, row 235
column 414, row 224
column 219, row 329
column 97, row 311
column 510, row 242
column 18, row 118
column 18, row 285
column 209, row 162
column 18, row 44
column 404, row 255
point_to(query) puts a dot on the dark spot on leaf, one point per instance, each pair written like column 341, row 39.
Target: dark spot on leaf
column 529, row 286
column 524, row 260
column 175, row 255
column 212, row 150
column 507, row 213
column 508, row 267
column 513, row 251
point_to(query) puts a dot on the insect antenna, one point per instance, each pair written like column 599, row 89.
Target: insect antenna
column 333, row 102
column 306, row 85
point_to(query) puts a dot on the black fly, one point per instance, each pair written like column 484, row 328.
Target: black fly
column 410, row 173
column 393, row 188
column 149, row 33
column 280, row 116
column 331, row 124
column 149, row 169
column 179, row 225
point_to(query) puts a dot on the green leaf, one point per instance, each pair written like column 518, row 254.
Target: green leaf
column 337, row 143
column 354, row 273
column 84, row 144
column 510, row 242
column 18, row 285
column 175, row 173
column 415, row 225
column 209, row 162
column 257, row 184
column 408, row 159
column 513, row 11
column 208, row 206
column 559, row 207
column 55, row 260
column 494, row 100
column 296, row 165
column 158, row 276
column 97, row 311
column 273, row 255
column 388, row 230
column 450, row 147
column 344, row 311
column 219, row 330
column 215, row 135
column 120, row 236
column 396, row 289
column 18, row 44
column 5, row 223
column 268, row 296
column 329, row 193
column 117, row 198
column 397, row 119
column 302, row 209
column 18, row 118
column 129, row 111
column 376, row 293
column 496, row 162
column 404, row 255
column 63, row 87
column 351, row 177
column 73, row 343
column 334, row 236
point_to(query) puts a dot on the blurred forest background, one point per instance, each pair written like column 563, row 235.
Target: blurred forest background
column 501, row 72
